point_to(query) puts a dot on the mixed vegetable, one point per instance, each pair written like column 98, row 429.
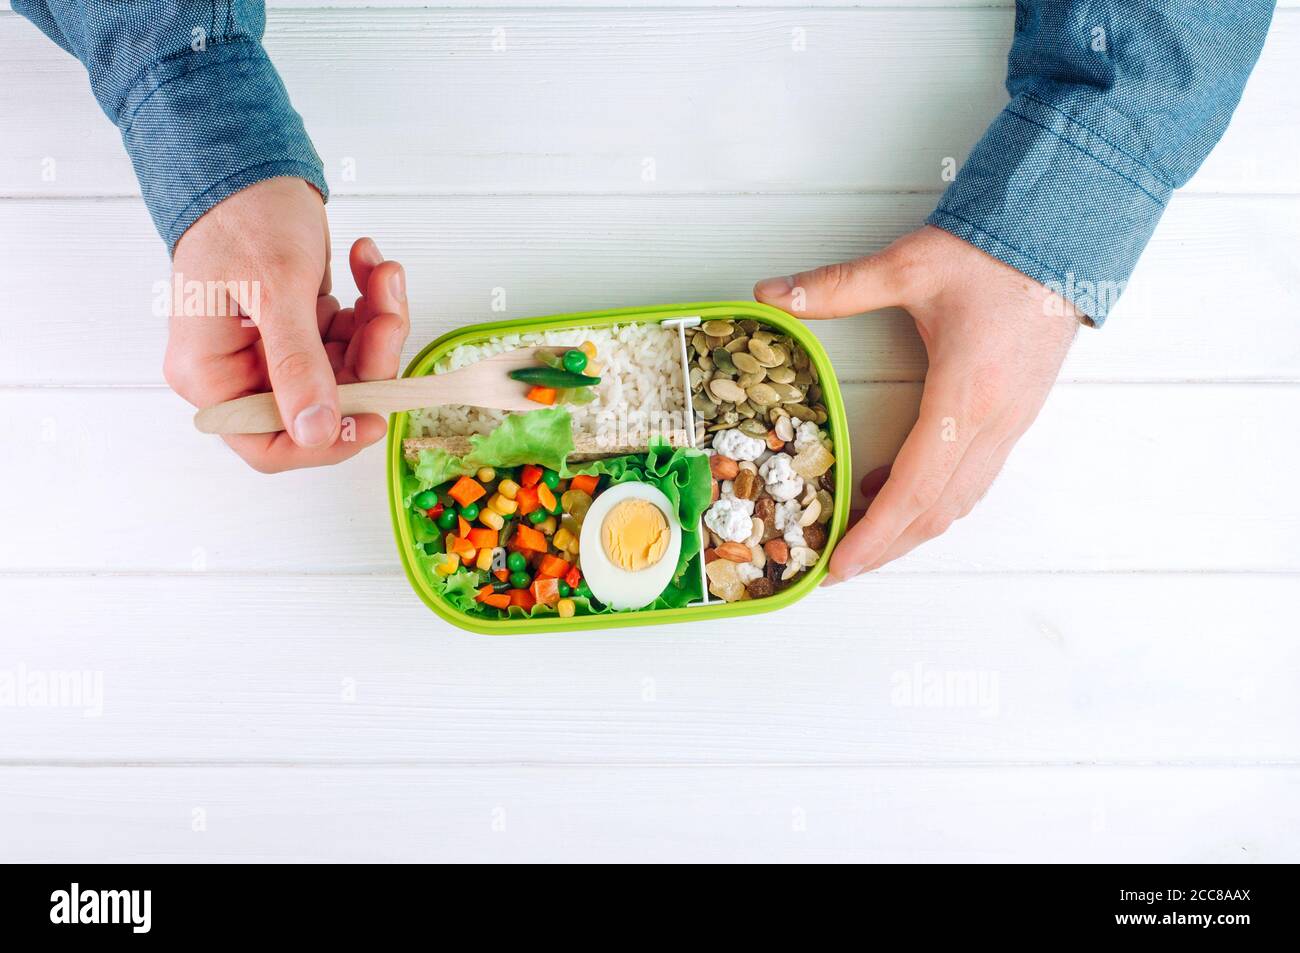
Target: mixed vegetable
column 563, row 378
column 517, row 527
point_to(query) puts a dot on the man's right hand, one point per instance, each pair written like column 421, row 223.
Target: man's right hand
column 268, row 247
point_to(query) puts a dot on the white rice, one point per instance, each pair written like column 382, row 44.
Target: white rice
column 640, row 372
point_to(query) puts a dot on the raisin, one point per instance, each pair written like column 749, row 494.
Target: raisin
column 761, row 587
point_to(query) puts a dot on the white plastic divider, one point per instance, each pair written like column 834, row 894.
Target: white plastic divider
column 688, row 418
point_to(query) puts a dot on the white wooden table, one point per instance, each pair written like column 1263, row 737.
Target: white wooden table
column 1100, row 663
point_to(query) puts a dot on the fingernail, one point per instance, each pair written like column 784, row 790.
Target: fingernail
column 774, row 287
column 314, row 426
column 371, row 253
column 397, row 284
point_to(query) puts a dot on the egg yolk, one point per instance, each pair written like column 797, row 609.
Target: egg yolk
column 635, row 535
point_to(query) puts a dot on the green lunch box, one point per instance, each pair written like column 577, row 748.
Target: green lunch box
column 836, row 422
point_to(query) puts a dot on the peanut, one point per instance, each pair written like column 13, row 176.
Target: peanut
column 774, row 441
column 723, row 468
column 777, row 550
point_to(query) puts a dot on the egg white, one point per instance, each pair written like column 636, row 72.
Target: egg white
column 612, row 585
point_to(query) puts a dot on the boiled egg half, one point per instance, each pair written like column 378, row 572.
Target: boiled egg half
column 629, row 545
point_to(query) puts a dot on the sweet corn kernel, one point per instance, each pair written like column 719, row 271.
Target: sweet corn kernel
column 508, row 488
column 562, row 539
column 502, row 505
column 573, row 547
column 592, row 369
column 486, row 474
column 492, row 519
column 547, row 526
column 567, row 608
column 587, row 348
column 448, row 567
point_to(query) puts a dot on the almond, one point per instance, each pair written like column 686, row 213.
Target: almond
column 710, row 555
column 777, row 550
column 736, row 552
column 723, row 468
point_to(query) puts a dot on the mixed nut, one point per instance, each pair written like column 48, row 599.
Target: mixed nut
column 762, row 421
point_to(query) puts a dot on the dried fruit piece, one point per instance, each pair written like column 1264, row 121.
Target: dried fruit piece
column 746, row 484
column 812, row 462
column 777, row 550
column 814, row 536
column 761, row 588
column 724, row 580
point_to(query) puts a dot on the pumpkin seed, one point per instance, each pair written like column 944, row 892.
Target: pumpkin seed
column 763, row 353
column 729, row 417
column 746, row 409
column 722, row 360
column 704, row 407
column 803, row 378
column 749, row 380
column 787, row 393
column 753, row 428
column 718, row 329
column 781, row 375
column 705, row 361
column 766, row 337
column 800, row 359
column 802, row 412
column 747, row 363
column 821, row 415
column 763, row 394
column 700, row 342
column 697, row 378
column 748, row 325
column 781, row 353
column 738, row 344
column 826, row 501
column 727, row 390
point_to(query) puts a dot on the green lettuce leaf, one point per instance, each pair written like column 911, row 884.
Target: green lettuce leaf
column 543, row 437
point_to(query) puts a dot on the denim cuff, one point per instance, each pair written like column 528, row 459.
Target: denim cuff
column 1057, row 201
column 201, row 125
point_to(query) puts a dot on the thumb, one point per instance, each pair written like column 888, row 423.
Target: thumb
column 833, row 291
column 301, row 376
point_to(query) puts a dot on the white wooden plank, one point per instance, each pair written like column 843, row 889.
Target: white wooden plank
column 491, row 100
column 900, row 668
column 1213, row 298
column 1113, row 477
column 648, row 814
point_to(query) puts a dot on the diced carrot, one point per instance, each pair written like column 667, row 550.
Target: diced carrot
column 528, row 538
column 466, row 490
column 502, row 574
column 522, row 598
column 530, row 475
column 585, row 482
column 527, row 500
column 462, row 526
column 483, row 538
column 499, row 600
column 553, row 566
column 573, row 577
column 542, row 395
column 483, row 593
column 546, row 590
column 546, row 497
column 461, row 547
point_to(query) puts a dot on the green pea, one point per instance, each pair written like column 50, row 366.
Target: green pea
column 516, row 562
column 426, row 500
column 537, row 516
column 551, row 479
column 520, row 580
column 583, row 589
column 469, row 511
column 565, row 591
column 447, row 520
column 575, row 361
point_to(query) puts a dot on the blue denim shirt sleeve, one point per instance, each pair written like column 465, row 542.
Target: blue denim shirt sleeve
column 201, row 110
column 1113, row 106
